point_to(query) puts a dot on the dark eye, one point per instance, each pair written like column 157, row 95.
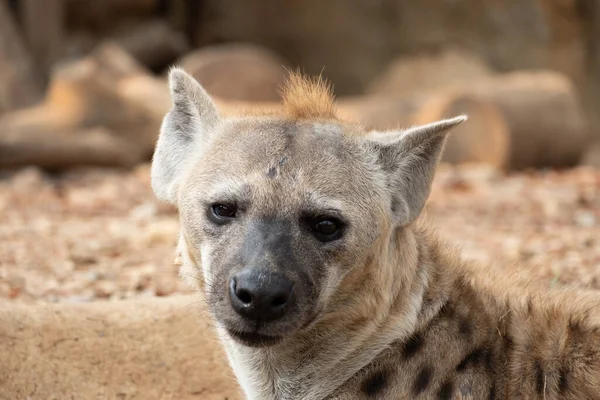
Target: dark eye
column 221, row 213
column 326, row 229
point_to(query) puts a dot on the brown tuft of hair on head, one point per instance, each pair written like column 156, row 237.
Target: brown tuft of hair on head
column 308, row 97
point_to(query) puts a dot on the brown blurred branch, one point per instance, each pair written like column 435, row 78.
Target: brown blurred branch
column 55, row 150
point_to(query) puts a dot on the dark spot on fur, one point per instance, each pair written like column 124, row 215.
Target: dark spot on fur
column 423, row 380
column 396, row 205
column 465, row 328
column 447, row 310
column 272, row 173
column 508, row 343
column 473, row 358
column 375, row 383
column 412, row 346
column 563, row 381
column 283, row 161
column 539, row 375
column 489, row 361
column 446, row 391
column 492, row 395
column 576, row 333
column 427, row 299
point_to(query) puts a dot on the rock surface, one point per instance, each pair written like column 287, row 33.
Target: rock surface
column 139, row 349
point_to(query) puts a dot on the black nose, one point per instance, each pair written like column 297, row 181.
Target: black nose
column 261, row 295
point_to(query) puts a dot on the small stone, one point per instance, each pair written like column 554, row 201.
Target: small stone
column 585, row 219
column 105, row 289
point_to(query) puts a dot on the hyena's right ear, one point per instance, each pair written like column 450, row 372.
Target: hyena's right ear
column 409, row 159
column 184, row 129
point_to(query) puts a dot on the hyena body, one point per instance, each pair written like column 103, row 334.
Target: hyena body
column 304, row 233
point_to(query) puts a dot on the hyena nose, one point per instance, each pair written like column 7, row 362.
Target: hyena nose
column 261, row 295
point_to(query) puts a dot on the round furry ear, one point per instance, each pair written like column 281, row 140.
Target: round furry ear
column 189, row 122
column 409, row 158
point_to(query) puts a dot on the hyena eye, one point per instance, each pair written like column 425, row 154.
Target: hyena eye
column 222, row 213
column 326, row 229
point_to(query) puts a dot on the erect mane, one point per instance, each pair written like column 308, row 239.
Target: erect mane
column 307, row 98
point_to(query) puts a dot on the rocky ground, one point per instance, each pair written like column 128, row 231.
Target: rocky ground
column 100, row 234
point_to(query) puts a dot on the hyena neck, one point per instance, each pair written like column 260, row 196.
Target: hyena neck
column 401, row 289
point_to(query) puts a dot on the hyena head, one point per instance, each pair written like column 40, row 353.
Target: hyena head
column 277, row 209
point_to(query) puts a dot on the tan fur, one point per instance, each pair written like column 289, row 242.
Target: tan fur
column 387, row 310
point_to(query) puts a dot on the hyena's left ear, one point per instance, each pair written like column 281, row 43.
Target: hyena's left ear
column 184, row 129
column 409, row 158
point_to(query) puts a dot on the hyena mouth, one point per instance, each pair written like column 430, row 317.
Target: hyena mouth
column 254, row 339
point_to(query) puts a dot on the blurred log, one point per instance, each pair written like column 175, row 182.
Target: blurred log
column 158, row 348
column 153, row 43
column 148, row 92
column 54, row 150
column 546, row 122
column 65, row 130
column 485, row 138
column 89, row 89
column 510, row 35
column 42, row 23
column 238, row 71
column 535, row 116
column 20, row 85
column 112, row 63
column 414, row 74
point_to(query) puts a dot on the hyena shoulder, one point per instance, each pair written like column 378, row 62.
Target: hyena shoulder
column 491, row 338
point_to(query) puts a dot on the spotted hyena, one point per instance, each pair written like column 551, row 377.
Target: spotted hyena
column 304, row 233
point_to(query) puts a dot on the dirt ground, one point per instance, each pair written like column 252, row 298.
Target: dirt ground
column 100, row 235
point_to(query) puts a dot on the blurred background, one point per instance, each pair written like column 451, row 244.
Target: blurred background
column 82, row 81
column 83, row 92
